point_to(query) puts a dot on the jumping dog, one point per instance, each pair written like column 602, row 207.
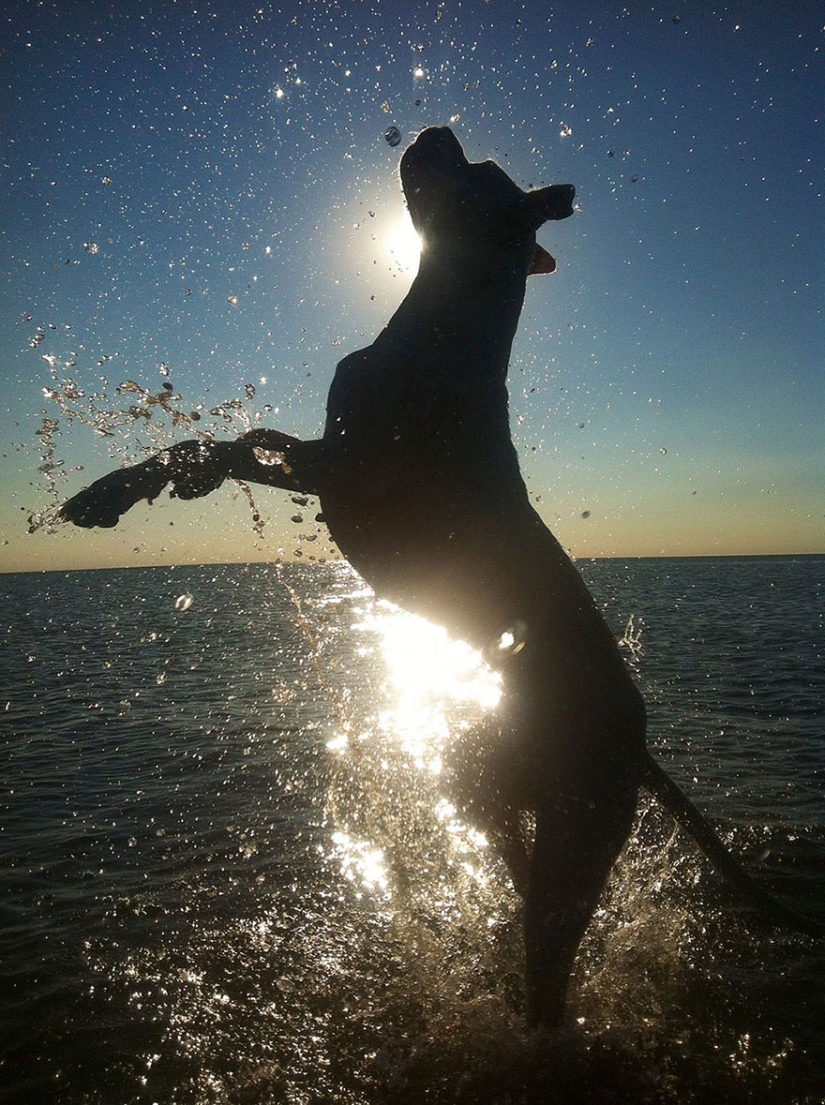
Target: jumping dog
column 420, row 486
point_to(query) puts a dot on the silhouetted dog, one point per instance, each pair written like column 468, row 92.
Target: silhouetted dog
column 421, row 489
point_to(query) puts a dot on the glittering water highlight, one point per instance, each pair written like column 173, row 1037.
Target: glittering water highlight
column 232, row 873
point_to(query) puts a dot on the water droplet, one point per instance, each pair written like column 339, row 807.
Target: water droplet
column 512, row 639
column 250, row 391
column 393, row 136
column 184, row 601
column 268, row 456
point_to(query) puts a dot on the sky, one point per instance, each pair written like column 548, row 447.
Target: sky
column 198, row 201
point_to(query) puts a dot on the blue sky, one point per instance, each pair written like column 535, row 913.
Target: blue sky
column 200, row 194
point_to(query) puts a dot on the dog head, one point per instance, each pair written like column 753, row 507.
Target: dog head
column 463, row 206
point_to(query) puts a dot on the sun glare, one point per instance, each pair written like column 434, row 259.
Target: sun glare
column 403, row 244
column 424, row 661
column 429, row 675
column 432, row 690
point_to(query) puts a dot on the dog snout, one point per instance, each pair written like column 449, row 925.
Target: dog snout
column 436, row 148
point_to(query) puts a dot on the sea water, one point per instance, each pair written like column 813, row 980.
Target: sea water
column 230, row 872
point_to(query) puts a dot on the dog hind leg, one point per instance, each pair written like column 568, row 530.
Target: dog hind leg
column 580, row 831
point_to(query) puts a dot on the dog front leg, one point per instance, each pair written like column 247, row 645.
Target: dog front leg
column 196, row 468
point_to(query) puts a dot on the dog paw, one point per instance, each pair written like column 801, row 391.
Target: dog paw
column 102, row 504
column 195, row 468
column 93, row 507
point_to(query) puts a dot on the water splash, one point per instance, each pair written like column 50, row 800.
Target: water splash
column 138, row 420
column 441, row 888
column 509, row 643
column 362, row 863
column 631, row 640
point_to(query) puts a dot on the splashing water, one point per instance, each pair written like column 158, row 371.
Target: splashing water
column 399, row 839
column 149, row 421
column 282, row 921
column 631, row 640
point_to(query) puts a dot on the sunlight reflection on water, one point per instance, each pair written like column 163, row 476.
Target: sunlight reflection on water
column 206, row 904
column 427, row 673
column 431, row 688
column 361, row 863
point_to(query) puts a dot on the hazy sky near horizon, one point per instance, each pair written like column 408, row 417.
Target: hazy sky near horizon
column 201, row 195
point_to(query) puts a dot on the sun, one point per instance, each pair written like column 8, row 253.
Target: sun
column 403, row 244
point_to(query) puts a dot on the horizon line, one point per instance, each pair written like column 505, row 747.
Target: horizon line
column 293, row 561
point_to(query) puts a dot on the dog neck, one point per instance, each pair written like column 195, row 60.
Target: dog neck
column 461, row 302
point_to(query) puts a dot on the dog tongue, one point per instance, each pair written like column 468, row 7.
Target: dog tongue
column 542, row 263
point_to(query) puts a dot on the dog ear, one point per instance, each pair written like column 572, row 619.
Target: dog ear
column 542, row 263
column 553, row 202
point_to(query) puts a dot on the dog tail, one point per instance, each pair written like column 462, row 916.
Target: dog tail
column 682, row 810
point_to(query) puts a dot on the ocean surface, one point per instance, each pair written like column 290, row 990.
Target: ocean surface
column 229, row 872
